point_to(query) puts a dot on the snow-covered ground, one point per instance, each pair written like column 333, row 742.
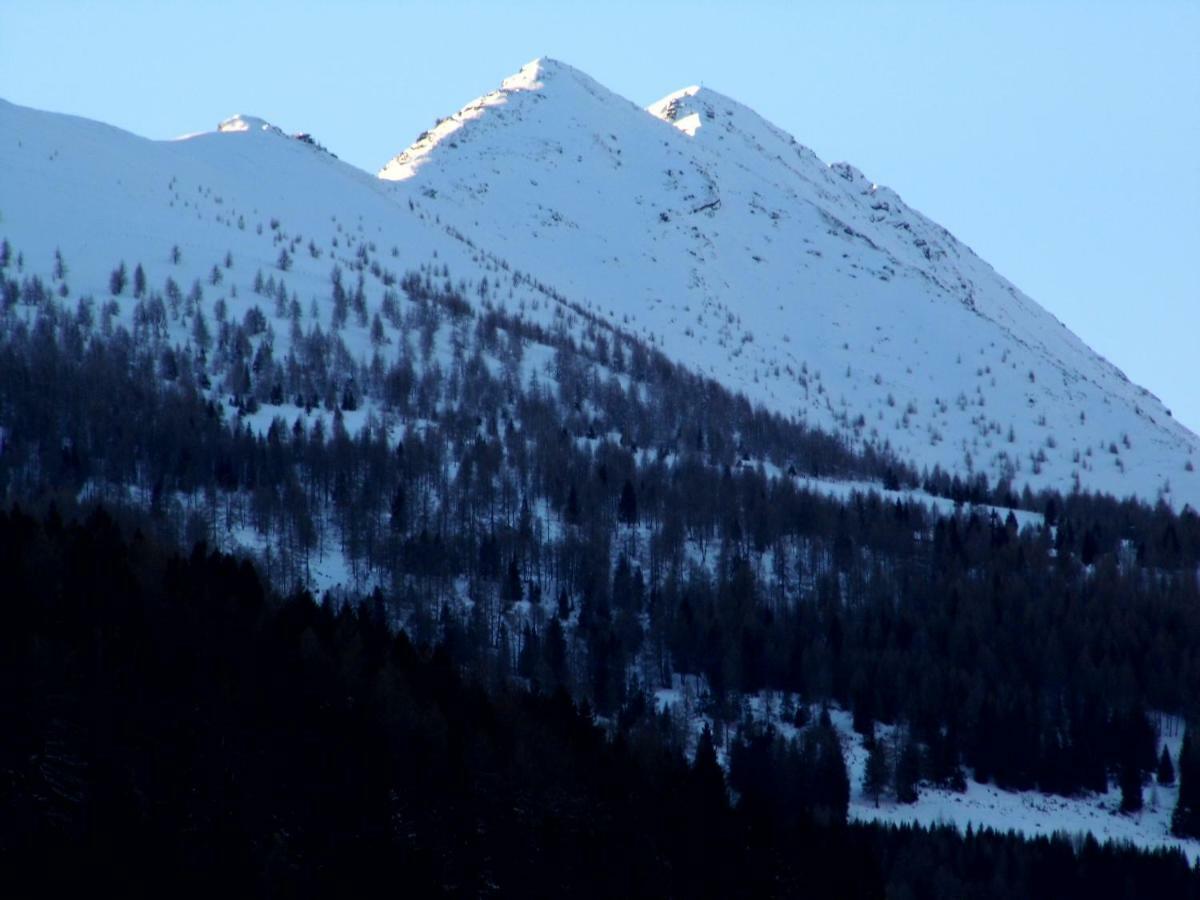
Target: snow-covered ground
column 699, row 225
column 1026, row 812
column 1029, row 813
column 944, row 506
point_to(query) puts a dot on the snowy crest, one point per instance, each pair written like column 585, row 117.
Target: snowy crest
column 704, row 228
column 534, row 77
column 244, row 123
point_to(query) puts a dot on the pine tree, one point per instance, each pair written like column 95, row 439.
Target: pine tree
column 200, row 333
column 877, row 772
column 530, row 652
column 503, row 649
column 512, row 583
column 554, row 647
column 861, row 706
column 1186, row 820
column 831, row 781
column 706, row 772
column 627, row 506
column 399, row 502
column 1130, row 779
column 908, row 771
column 117, row 280
column 1166, row 771
column 571, row 513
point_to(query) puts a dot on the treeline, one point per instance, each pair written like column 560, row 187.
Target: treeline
column 172, row 724
column 613, row 381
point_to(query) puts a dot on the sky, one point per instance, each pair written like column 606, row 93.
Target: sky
column 1060, row 140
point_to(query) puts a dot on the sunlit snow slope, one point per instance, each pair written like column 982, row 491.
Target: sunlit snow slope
column 695, row 224
column 700, row 225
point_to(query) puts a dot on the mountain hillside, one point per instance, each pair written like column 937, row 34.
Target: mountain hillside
column 820, row 294
column 695, row 226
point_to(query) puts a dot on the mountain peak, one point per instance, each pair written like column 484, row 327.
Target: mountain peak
column 243, row 123
column 692, row 107
column 537, row 73
column 533, row 75
column 698, row 110
column 686, row 108
column 535, row 81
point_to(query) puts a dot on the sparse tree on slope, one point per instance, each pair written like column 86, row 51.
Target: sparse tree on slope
column 1166, row 771
column 707, row 772
column 877, row 772
column 1186, row 820
column 117, row 280
column 908, row 770
column 627, row 506
column 1130, row 778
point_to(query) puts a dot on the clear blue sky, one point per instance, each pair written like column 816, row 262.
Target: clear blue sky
column 1060, row 140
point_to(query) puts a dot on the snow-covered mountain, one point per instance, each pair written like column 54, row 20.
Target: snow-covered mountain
column 813, row 290
column 693, row 224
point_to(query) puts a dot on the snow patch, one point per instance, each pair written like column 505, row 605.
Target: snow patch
column 244, row 123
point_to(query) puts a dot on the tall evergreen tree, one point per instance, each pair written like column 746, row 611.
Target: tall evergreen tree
column 706, row 771
column 398, row 508
column 512, row 583
column 627, row 507
column 908, row 770
column 117, row 280
column 1186, row 820
column 554, row 647
column 877, row 772
column 1166, row 770
column 571, row 511
column 1130, row 780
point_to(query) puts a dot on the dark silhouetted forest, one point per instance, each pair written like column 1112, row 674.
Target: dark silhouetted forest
column 170, row 723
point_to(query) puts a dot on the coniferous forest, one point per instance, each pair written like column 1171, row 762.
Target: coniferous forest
column 472, row 711
column 175, row 724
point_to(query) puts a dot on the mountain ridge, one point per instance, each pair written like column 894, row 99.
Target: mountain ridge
column 733, row 249
column 770, row 165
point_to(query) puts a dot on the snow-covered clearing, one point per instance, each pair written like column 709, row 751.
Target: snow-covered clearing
column 1029, row 813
